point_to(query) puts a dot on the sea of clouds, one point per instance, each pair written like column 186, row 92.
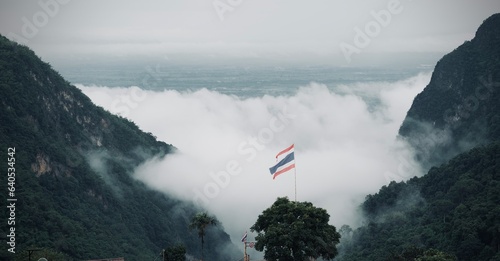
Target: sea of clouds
column 345, row 138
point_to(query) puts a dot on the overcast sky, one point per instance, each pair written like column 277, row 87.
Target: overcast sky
column 241, row 28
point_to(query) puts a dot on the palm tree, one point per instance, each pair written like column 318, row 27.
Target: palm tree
column 200, row 222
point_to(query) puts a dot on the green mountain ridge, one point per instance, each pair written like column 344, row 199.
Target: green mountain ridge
column 73, row 174
column 458, row 109
column 452, row 212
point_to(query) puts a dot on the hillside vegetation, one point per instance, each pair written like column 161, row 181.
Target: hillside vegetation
column 73, row 173
column 455, row 208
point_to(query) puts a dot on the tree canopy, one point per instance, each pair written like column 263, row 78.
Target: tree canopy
column 175, row 253
column 295, row 231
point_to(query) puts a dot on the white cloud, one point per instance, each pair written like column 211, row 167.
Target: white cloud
column 344, row 145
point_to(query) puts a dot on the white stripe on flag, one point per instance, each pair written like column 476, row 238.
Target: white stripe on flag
column 286, row 163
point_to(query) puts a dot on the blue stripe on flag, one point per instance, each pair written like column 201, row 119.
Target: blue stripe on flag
column 290, row 157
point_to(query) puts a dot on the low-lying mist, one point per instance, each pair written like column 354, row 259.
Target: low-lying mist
column 345, row 140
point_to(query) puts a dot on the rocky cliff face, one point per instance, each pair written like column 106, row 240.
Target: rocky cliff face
column 74, row 163
column 460, row 108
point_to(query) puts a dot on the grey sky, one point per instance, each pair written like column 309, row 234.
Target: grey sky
column 250, row 28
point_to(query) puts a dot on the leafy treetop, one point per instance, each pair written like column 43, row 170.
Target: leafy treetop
column 295, row 231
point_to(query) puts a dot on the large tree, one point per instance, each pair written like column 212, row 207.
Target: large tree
column 295, row 231
column 174, row 253
column 200, row 222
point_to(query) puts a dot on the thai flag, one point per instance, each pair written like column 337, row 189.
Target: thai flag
column 244, row 238
column 286, row 163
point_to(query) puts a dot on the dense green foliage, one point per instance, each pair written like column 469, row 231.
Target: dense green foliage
column 201, row 221
column 460, row 107
column 175, row 253
column 295, row 231
column 66, row 203
column 420, row 254
column 454, row 208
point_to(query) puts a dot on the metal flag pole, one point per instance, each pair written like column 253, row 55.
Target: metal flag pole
column 244, row 240
column 295, row 173
column 245, row 255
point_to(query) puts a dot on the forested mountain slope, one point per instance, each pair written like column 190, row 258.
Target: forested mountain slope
column 73, row 173
column 460, row 107
column 455, row 209
column 452, row 212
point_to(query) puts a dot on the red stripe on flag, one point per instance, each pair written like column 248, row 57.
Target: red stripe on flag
column 283, row 170
column 285, row 150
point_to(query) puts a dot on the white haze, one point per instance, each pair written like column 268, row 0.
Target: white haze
column 345, row 145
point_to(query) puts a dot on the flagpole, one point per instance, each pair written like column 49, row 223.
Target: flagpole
column 295, row 173
column 245, row 257
column 244, row 240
